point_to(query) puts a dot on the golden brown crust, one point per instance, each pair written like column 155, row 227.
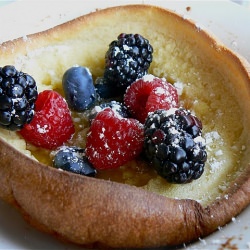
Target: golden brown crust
column 93, row 211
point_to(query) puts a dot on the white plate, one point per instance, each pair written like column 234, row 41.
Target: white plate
column 227, row 20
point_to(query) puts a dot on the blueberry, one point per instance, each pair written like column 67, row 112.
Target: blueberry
column 73, row 159
column 78, row 88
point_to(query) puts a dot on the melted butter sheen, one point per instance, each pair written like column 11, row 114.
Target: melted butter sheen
column 135, row 173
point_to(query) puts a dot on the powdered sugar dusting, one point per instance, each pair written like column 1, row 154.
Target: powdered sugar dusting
column 211, row 136
column 160, row 91
column 42, row 129
column 200, row 139
column 126, row 47
column 117, row 50
column 129, row 60
column 179, row 87
column 215, row 159
column 148, row 78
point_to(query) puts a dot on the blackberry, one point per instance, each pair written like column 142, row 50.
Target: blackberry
column 73, row 159
column 127, row 59
column 18, row 93
column 174, row 145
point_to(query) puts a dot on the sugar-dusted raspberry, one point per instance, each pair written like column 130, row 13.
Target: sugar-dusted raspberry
column 113, row 140
column 148, row 94
column 52, row 124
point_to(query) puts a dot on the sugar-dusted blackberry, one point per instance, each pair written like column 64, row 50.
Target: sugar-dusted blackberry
column 18, row 93
column 73, row 159
column 127, row 59
column 174, row 145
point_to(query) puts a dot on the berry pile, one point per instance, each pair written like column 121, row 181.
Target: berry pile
column 131, row 113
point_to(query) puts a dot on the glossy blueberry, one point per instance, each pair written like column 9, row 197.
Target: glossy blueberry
column 73, row 159
column 78, row 88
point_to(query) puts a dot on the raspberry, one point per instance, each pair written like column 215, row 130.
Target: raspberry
column 149, row 94
column 52, row 124
column 113, row 140
column 18, row 93
column 174, row 145
column 127, row 59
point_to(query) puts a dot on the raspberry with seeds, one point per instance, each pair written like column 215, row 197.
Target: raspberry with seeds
column 52, row 124
column 148, row 94
column 113, row 140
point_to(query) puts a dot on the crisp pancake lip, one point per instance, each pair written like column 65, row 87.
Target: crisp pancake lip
column 93, row 211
